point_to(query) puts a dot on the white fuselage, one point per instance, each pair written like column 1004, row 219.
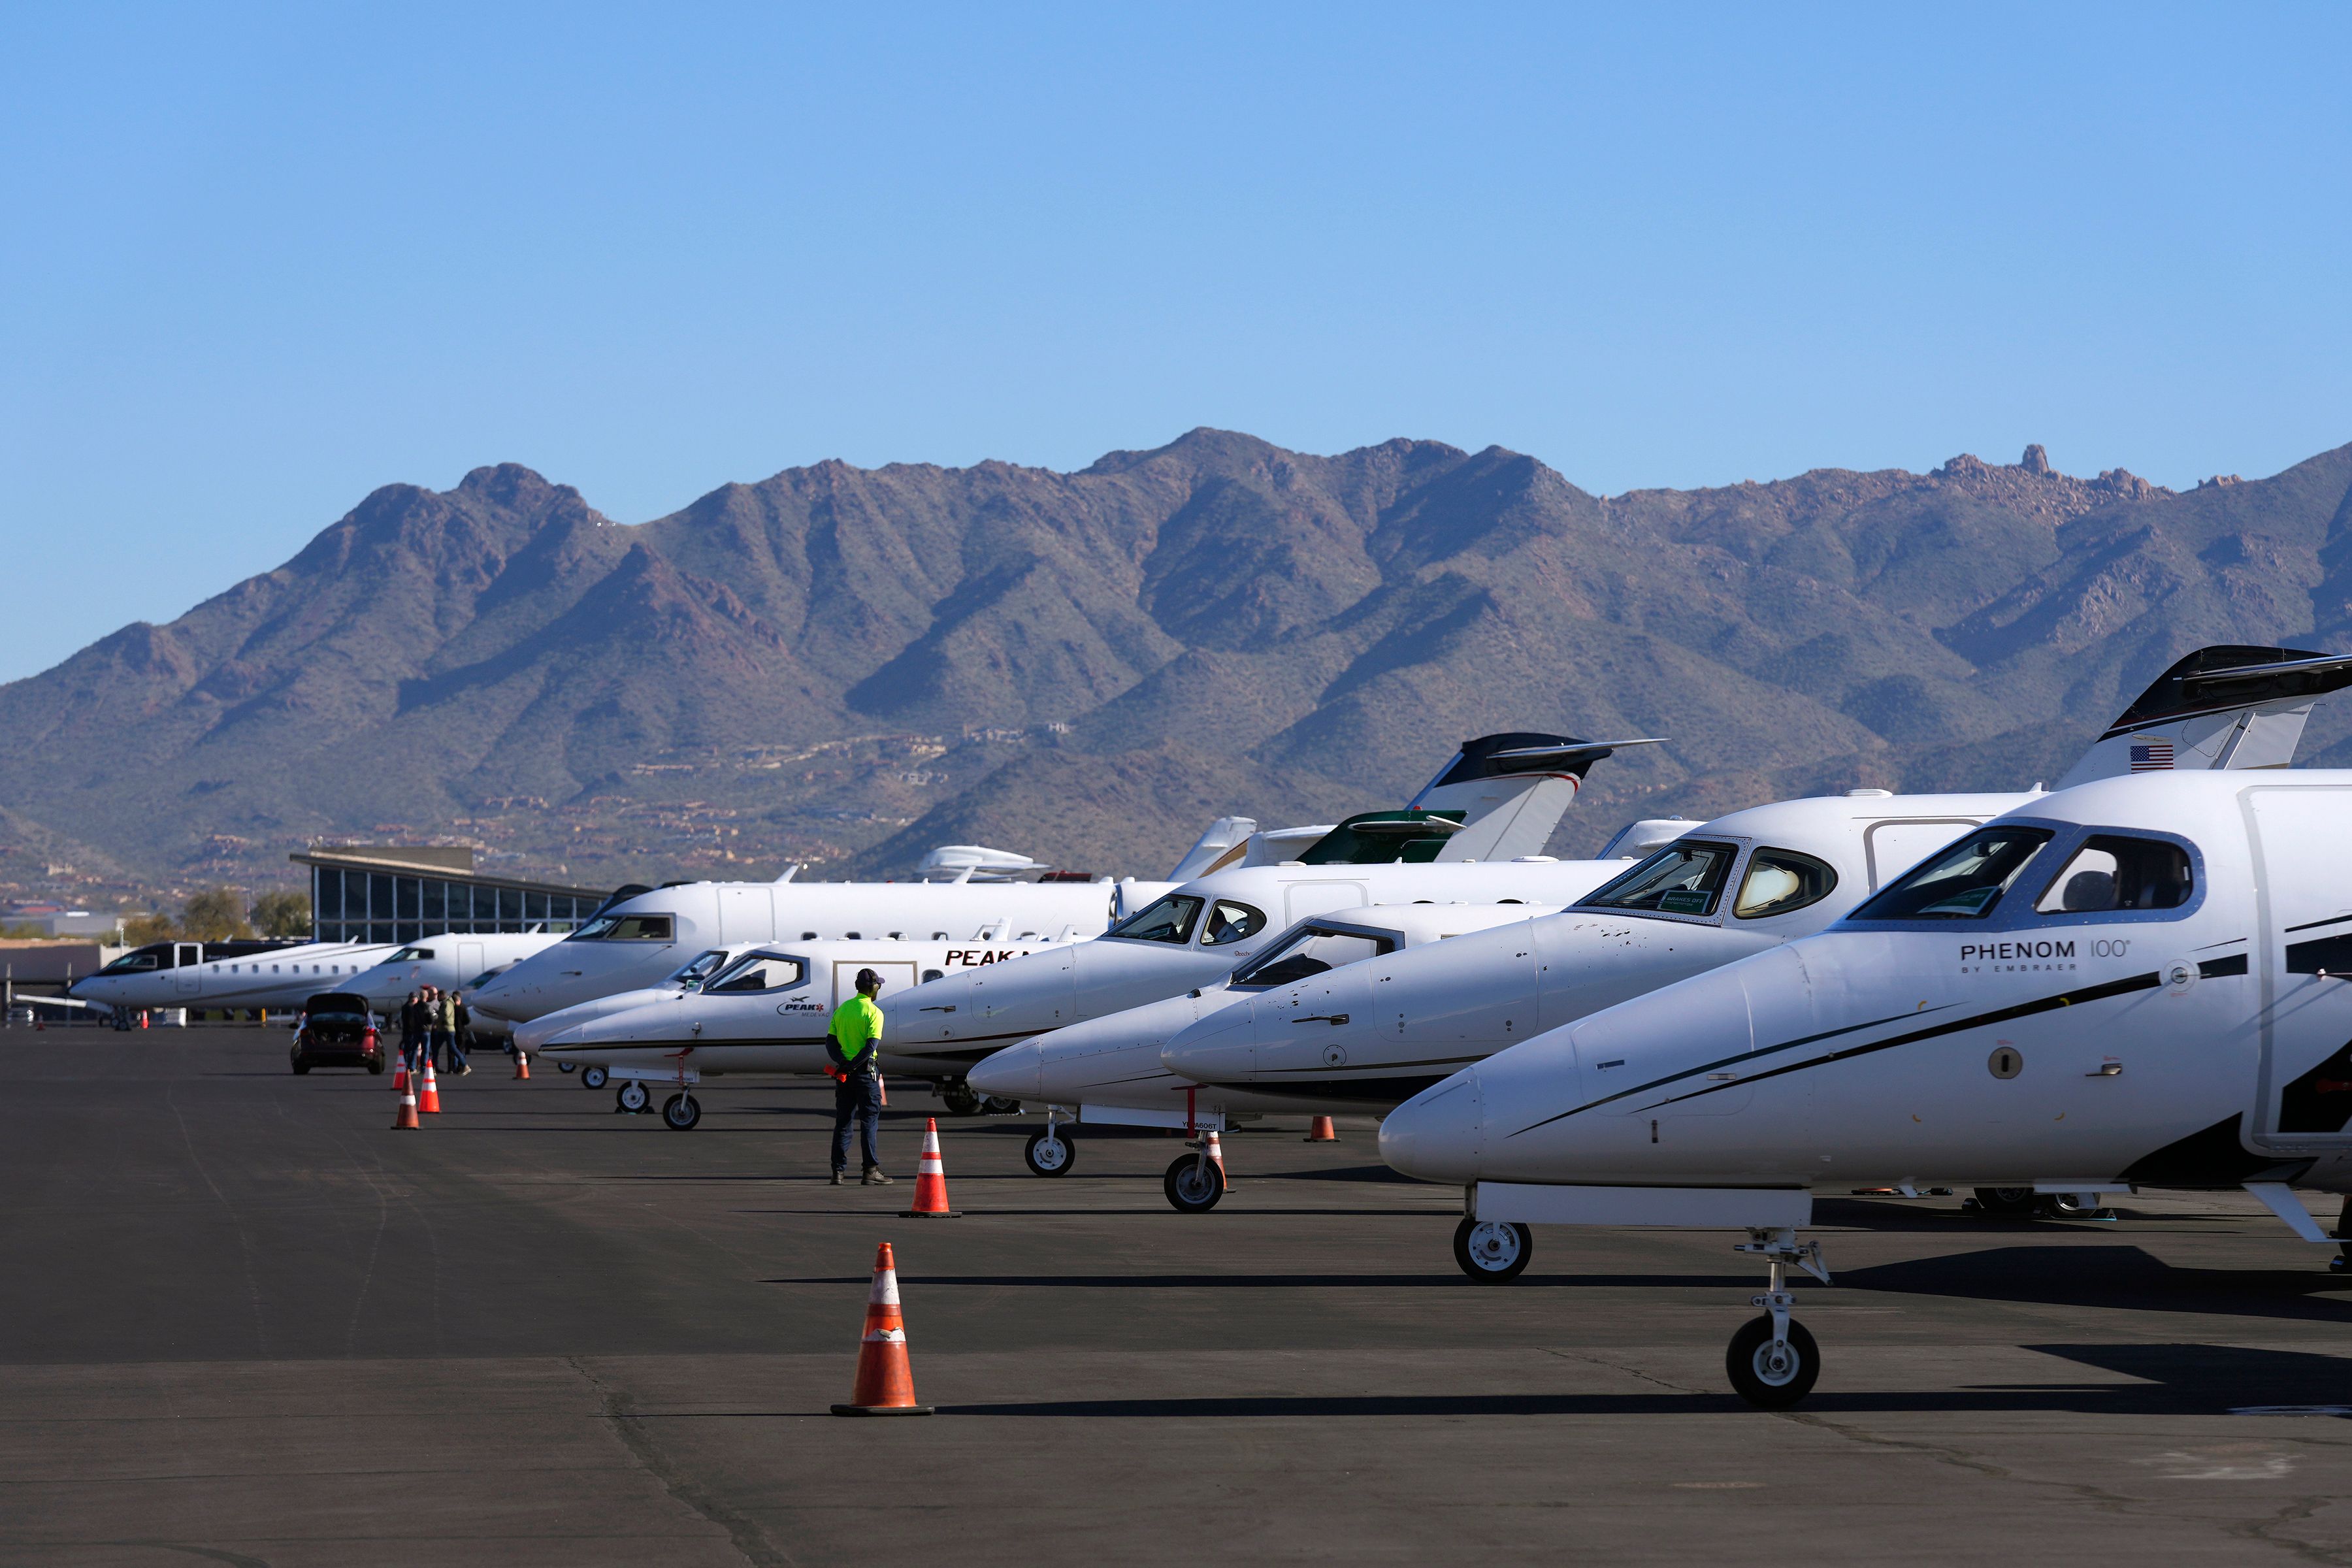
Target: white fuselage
column 1415, row 1016
column 1108, row 1069
column 638, row 941
column 1231, row 917
column 447, row 962
column 775, row 1028
column 2036, row 1035
column 283, row 977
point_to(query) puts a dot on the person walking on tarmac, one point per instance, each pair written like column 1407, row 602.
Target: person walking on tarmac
column 412, row 1028
column 445, row 1031
column 855, row 1048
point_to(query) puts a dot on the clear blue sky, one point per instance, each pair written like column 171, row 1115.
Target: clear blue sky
column 254, row 263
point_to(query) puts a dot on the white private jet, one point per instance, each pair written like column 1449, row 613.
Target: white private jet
column 1475, row 834
column 1107, row 1070
column 767, row 1009
column 634, row 941
column 229, row 974
column 450, row 962
column 2135, row 982
column 1384, row 1030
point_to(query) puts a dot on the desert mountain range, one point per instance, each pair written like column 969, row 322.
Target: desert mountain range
column 844, row 666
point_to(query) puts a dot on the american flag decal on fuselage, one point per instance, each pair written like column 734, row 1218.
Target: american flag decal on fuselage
column 2153, row 758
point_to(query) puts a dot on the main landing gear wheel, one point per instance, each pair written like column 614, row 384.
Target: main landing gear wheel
column 567, row 1067
column 1193, row 1185
column 1050, row 1154
column 1772, row 1376
column 997, row 1105
column 681, row 1111
column 594, row 1078
column 960, row 1101
column 2010, row 1203
column 632, row 1097
column 1493, row 1251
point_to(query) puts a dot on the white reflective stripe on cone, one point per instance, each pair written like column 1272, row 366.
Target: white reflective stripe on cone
column 890, row 1336
column 886, row 1290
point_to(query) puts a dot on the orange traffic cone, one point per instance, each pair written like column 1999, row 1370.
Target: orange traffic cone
column 1322, row 1132
column 405, row 1118
column 430, row 1101
column 142, row 1018
column 886, row 1380
column 930, row 1178
column 400, row 1076
column 1217, row 1158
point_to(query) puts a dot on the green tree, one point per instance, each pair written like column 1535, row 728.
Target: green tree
column 282, row 913
column 214, row 916
column 140, row 930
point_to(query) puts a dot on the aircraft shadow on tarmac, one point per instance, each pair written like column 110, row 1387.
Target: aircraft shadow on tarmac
column 2176, row 1380
column 2120, row 1279
column 1448, row 1281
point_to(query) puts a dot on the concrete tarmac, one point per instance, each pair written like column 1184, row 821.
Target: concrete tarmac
column 245, row 1322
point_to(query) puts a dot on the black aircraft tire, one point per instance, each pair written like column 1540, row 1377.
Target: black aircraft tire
column 1193, row 1185
column 594, row 1078
column 681, row 1112
column 1046, row 1165
column 1766, row 1387
column 1492, row 1252
column 633, row 1096
column 567, row 1067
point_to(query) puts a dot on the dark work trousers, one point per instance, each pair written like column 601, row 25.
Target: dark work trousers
column 446, row 1045
column 859, row 1099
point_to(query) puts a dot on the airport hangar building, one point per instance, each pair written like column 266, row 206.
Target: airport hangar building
column 385, row 892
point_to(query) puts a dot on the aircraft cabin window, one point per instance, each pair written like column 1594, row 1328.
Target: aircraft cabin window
column 1683, row 878
column 1309, row 952
column 2113, row 872
column 1231, row 922
column 624, row 928
column 1163, row 919
column 1779, row 881
column 1964, row 883
column 758, row 971
column 931, row 974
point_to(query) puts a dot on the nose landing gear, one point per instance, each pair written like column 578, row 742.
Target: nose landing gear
column 1194, row 1181
column 1048, row 1152
column 1491, row 1251
column 1772, row 1362
column 632, row 1097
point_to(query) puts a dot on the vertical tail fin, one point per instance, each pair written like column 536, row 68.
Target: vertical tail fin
column 2220, row 707
column 1512, row 789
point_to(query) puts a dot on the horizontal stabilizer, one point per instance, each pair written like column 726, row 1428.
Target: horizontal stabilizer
column 1510, row 791
column 2220, row 707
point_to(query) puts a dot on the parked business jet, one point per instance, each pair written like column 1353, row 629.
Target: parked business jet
column 2135, row 982
column 1106, row 1071
column 229, row 974
column 1474, row 834
column 634, row 941
column 683, row 981
column 767, row 1010
column 1388, row 1028
column 449, row 962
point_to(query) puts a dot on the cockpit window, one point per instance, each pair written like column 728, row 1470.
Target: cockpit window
column 2111, row 872
column 409, row 955
column 1684, row 878
column 137, row 962
column 484, row 978
column 1230, row 922
column 1780, row 880
column 691, row 976
column 1310, row 951
column 1964, row 883
column 1164, row 920
column 757, row 972
column 624, row 928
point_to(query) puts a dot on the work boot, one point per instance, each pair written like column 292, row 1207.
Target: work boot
column 876, row 1177
column 836, row 1177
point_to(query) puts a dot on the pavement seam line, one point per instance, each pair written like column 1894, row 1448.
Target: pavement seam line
column 618, row 1408
column 2294, row 1512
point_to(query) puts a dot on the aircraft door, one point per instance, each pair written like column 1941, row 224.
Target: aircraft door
column 2302, row 840
column 1891, row 847
column 1301, row 900
column 187, row 965
column 470, row 961
column 747, row 914
column 895, row 977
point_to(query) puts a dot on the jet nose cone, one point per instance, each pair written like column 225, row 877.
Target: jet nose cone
column 1436, row 1135
column 1013, row 1073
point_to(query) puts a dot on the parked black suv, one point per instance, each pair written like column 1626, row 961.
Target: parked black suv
column 336, row 1030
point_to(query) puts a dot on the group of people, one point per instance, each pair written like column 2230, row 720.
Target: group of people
column 436, row 1023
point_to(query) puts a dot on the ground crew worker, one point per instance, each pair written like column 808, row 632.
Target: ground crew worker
column 413, row 1030
column 854, row 1047
column 445, row 1029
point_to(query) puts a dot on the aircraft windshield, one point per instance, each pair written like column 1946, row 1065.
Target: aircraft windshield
column 1684, row 878
column 139, row 962
column 1964, row 883
column 624, row 928
column 757, row 972
column 1166, row 920
column 409, row 955
column 690, row 976
column 1310, row 951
